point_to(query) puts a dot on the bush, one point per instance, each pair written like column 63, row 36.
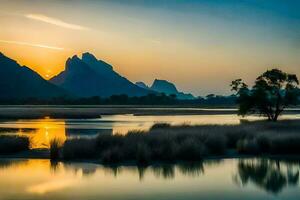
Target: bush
column 191, row 150
column 216, row 144
column 186, row 142
column 248, row 146
column 263, row 143
column 163, row 148
column 55, row 147
column 287, row 144
column 113, row 155
column 143, row 154
column 104, row 141
column 79, row 149
column 160, row 126
column 13, row 144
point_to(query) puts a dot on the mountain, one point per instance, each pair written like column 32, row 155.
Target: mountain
column 142, row 85
column 164, row 86
column 169, row 88
column 19, row 82
column 89, row 76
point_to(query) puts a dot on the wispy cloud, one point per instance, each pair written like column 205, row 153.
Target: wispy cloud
column 55, row 21
column 31, row 45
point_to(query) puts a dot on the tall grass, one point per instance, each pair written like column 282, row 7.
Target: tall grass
column 79, row 149
column 13, row 144
column 164, row 142
column 55, row 148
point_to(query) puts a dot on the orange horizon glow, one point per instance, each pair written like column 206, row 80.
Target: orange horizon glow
column 199, row 51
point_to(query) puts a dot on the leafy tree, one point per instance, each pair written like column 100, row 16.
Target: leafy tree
column 272, row 92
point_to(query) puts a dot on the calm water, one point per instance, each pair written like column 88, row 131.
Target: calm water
column 42, row 131
column 221, row 180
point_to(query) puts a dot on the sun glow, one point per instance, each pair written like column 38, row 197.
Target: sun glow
column 45, row 130
column 196, row 46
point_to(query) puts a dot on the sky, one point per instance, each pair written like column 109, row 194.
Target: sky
column 200, row 45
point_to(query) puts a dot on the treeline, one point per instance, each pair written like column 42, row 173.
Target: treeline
column 151, row 99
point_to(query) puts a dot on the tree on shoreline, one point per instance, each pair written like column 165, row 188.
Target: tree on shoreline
column 272, row 92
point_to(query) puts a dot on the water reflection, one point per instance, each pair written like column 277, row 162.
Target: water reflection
column 164, row 171
column 272, row 176
column 36, row 179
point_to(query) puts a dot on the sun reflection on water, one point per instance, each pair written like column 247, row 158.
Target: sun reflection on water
column 45, row 130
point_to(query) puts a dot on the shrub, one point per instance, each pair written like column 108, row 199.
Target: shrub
column 104, row 141
column 143, row 154
column 263, row 143
column 247, row 146
column 113, row 155
column 216, row 144
column 79, row 149
column 55, row 147
column 234, row 135
column 182, row 142
column 13, row 144
column 160, row 126
column 163, row 148
column 191, row 150
column 285, row 144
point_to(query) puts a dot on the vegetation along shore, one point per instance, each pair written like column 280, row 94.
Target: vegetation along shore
column 166, row 143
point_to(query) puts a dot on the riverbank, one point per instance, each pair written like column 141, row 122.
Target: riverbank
column 89, row 112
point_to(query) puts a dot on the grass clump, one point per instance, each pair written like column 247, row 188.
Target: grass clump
column 248, row 146
column 55, row 148
column 190, row 150
column 285, row 144
column 13, row 144
column 189, row 142
column 143, row 154
column 113, row 155
column 160, row 126
column 79, row 149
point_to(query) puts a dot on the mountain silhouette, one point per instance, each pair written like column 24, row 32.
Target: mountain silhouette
column 142, row 85
column 169, row 88
column 20, row 82
column 89, row 76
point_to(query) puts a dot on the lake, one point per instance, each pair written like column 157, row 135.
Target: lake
column 234, row 179
column 42, row 131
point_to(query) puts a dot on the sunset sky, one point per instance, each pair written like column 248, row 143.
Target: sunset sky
column 201, row 45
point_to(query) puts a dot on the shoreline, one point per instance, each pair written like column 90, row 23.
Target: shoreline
column 170, row 143
column 44, row 154
column 90, row 112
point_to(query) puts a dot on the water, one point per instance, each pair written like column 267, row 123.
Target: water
column 42, row 131
column 232, row 179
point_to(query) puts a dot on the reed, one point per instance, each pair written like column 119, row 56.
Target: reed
column 165, row 142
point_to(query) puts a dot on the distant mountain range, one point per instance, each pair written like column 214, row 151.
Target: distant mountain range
column 19, row 82
column 83, row 77
column 92, row 77
column 163, row 86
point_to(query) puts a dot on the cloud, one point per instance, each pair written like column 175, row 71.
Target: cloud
column 32, row 45
column 54, row 21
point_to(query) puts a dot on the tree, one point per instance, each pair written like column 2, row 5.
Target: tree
column 272, row 92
